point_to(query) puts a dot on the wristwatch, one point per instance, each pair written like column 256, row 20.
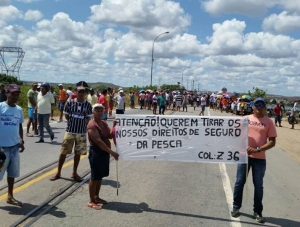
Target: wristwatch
column 22, row 142
column 258, row 149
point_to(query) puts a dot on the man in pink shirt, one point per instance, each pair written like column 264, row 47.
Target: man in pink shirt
column 261, row 137
column 102, row 100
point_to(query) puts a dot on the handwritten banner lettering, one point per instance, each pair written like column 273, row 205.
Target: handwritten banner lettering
column 182, row 138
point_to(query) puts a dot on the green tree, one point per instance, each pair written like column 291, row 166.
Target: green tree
column 256, row 92
column 170, row 87
column 9, row 79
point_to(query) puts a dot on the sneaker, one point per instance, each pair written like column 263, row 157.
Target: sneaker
column 52, row 137
column 59, row 121
column 235, row 213
column 40, row 141
column 258, row 217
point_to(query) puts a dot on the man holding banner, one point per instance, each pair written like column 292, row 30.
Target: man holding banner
column 261, row 137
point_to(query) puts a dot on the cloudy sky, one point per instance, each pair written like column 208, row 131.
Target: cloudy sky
column 216, row 43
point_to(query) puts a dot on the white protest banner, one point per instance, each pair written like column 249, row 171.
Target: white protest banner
column 182, row 138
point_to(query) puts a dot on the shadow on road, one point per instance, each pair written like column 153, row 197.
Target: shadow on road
column 27, row 207
column 144, row 207
column 111, row 183
column 277, row 221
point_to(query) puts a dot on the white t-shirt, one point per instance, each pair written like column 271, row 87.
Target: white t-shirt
column 203, row 101
column 70, row 93
column 44, row 103
column 154, row 99
column 120, row 102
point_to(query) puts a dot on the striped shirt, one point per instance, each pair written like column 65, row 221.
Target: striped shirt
column 78, row 113
column 178, row 98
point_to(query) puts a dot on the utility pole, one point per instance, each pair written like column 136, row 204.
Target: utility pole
column 198, row 86
column 187, row 84
column 193, row 85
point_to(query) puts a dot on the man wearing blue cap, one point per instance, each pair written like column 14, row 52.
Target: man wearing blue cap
column 261, row 137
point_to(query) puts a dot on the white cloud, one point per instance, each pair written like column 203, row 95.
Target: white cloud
column 246, row 7
column 144, row 17
column 9, row 13
column 33, row 15
column 284, row 22
column 229, row 39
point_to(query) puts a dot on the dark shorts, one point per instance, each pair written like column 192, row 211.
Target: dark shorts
column 119, row 111
column 142, row 102
column 99, row 163
column 61, row 105
column 203, row 107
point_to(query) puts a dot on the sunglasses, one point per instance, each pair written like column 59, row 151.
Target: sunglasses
column 261, row 105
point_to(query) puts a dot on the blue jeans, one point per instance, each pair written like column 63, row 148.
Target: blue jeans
column 43, row 120
column 12, row 162
column 277, row 119
column 162, row 109
column 258, row 167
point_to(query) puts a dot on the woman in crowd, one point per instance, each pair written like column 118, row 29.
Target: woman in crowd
column 99, row 154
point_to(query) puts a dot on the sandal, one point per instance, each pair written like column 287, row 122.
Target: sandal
column 29, row 134
column 14, row 202
column 77, row 178
column 56, row 177
column 94, row 206
column 101, row 201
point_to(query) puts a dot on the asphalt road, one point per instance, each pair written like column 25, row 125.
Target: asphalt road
column 157, row 193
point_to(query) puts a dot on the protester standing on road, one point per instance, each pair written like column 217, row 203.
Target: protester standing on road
column 277, row 112
column 261, row 137
column 53, row 93
column 162, row 103
column 92, row 97
column 120, row 100
column 102, row 100
column 70, row 93
column 282, row 109
column 131, row 97
column 62, row 99
column 32, row 116
column 293, row 116
column 77, row 112
column 203, row 105
column 99, row 154
column 154, row 102
column 11, row 134
column 184, row 102
column 178, row 99
column 3, row 96
column 44, row 102
column 110, row 100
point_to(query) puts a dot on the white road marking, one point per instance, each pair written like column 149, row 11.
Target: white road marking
column 236, row 222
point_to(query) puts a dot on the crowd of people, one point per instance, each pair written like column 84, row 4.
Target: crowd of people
column 164, row 100
column 86, row 114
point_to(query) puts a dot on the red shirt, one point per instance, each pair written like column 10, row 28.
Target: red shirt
column 102, row 100
column 74, row 96
column 277, row 110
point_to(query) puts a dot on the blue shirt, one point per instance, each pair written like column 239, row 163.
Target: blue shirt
column 10, row 120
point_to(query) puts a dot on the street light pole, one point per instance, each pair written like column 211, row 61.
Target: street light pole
column 152, row 59
column 182, row 75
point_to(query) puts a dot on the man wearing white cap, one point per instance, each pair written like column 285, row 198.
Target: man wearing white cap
column 120, row 99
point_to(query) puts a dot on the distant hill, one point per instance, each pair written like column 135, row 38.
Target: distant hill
column 94, row 85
